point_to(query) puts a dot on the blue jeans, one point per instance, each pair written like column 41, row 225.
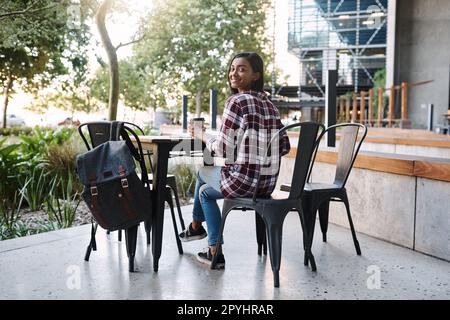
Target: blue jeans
column 207, row 191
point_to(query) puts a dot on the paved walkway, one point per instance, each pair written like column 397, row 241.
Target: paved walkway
column 51, row 266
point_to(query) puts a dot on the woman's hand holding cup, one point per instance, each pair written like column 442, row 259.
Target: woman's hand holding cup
column 196, row 128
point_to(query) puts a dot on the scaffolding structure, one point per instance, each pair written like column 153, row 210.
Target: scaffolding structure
column 344, row 35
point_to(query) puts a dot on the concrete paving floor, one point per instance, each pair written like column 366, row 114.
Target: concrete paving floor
column 51, row 266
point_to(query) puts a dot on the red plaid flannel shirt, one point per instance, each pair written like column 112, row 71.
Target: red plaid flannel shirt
column 249, row 121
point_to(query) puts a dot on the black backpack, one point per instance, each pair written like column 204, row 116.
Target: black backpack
column 115, row 195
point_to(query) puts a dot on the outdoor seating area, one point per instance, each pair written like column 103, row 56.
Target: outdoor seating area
column 255, row 151
column 384, row 271
column 397, row 194
column 299, row 270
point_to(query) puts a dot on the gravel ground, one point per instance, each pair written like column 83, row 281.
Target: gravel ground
column 83, row 215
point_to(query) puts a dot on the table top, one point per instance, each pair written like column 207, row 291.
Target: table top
column 164, row 139
column 186, row 144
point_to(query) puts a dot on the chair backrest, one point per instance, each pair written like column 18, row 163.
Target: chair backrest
column 100, row 132
column 307, row 140
column 352, row 136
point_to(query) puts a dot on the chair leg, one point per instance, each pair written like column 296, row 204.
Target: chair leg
column 308, row 220
column 177, row 202
column 120, row 234
column 148, row 228
column 131, row 241
column 274, row 231
column 352, row 228
column 260, row 234
column 323, row 219
column 92, row 244
column 88, row 252
column 169, row 200
column 276, row 278
column 265, row 243
column 304, row 223
column 93, row 240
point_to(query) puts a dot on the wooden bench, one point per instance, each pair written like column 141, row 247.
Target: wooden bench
column 424, row 167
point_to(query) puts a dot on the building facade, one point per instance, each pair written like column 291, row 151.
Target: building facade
column 349, row 36
column 372, row 43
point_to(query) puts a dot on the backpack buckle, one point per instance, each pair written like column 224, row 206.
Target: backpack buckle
column 124, row 183
column 94, row 191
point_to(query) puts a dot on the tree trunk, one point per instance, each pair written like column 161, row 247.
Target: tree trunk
column 112, row 57
column 198, row 103
column 6, row 90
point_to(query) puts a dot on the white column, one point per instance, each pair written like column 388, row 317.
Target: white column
column 328, row 63
column 390, row 44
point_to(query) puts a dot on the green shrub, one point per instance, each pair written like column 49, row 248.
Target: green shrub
column 17, row 229
column 11, row 196
column 185, row 174
column 34, row 146
column 36, row 187
column 25, row 171
column 44, row 226
column 61, row 161
column 62, row 202
column 10, row 164
column 22, row 228
column 149, row 131
column 15, row 131
column 10, row 224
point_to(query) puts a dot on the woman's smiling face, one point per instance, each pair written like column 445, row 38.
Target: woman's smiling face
column 241, row 75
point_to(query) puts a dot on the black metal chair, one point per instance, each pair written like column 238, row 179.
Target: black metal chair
column 99, row 132
column 273, row 210
column 317, row 196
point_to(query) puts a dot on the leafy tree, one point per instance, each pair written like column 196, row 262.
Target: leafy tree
column 37, row 44
column 140, row 86
column 131, row 87
column 67, row 96
column 193, row 41
column 111, row 51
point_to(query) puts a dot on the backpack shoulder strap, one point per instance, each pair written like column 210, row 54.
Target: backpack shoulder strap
column 137, row 153
column 119, row 130
column 134, row 151
column 116, row 130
